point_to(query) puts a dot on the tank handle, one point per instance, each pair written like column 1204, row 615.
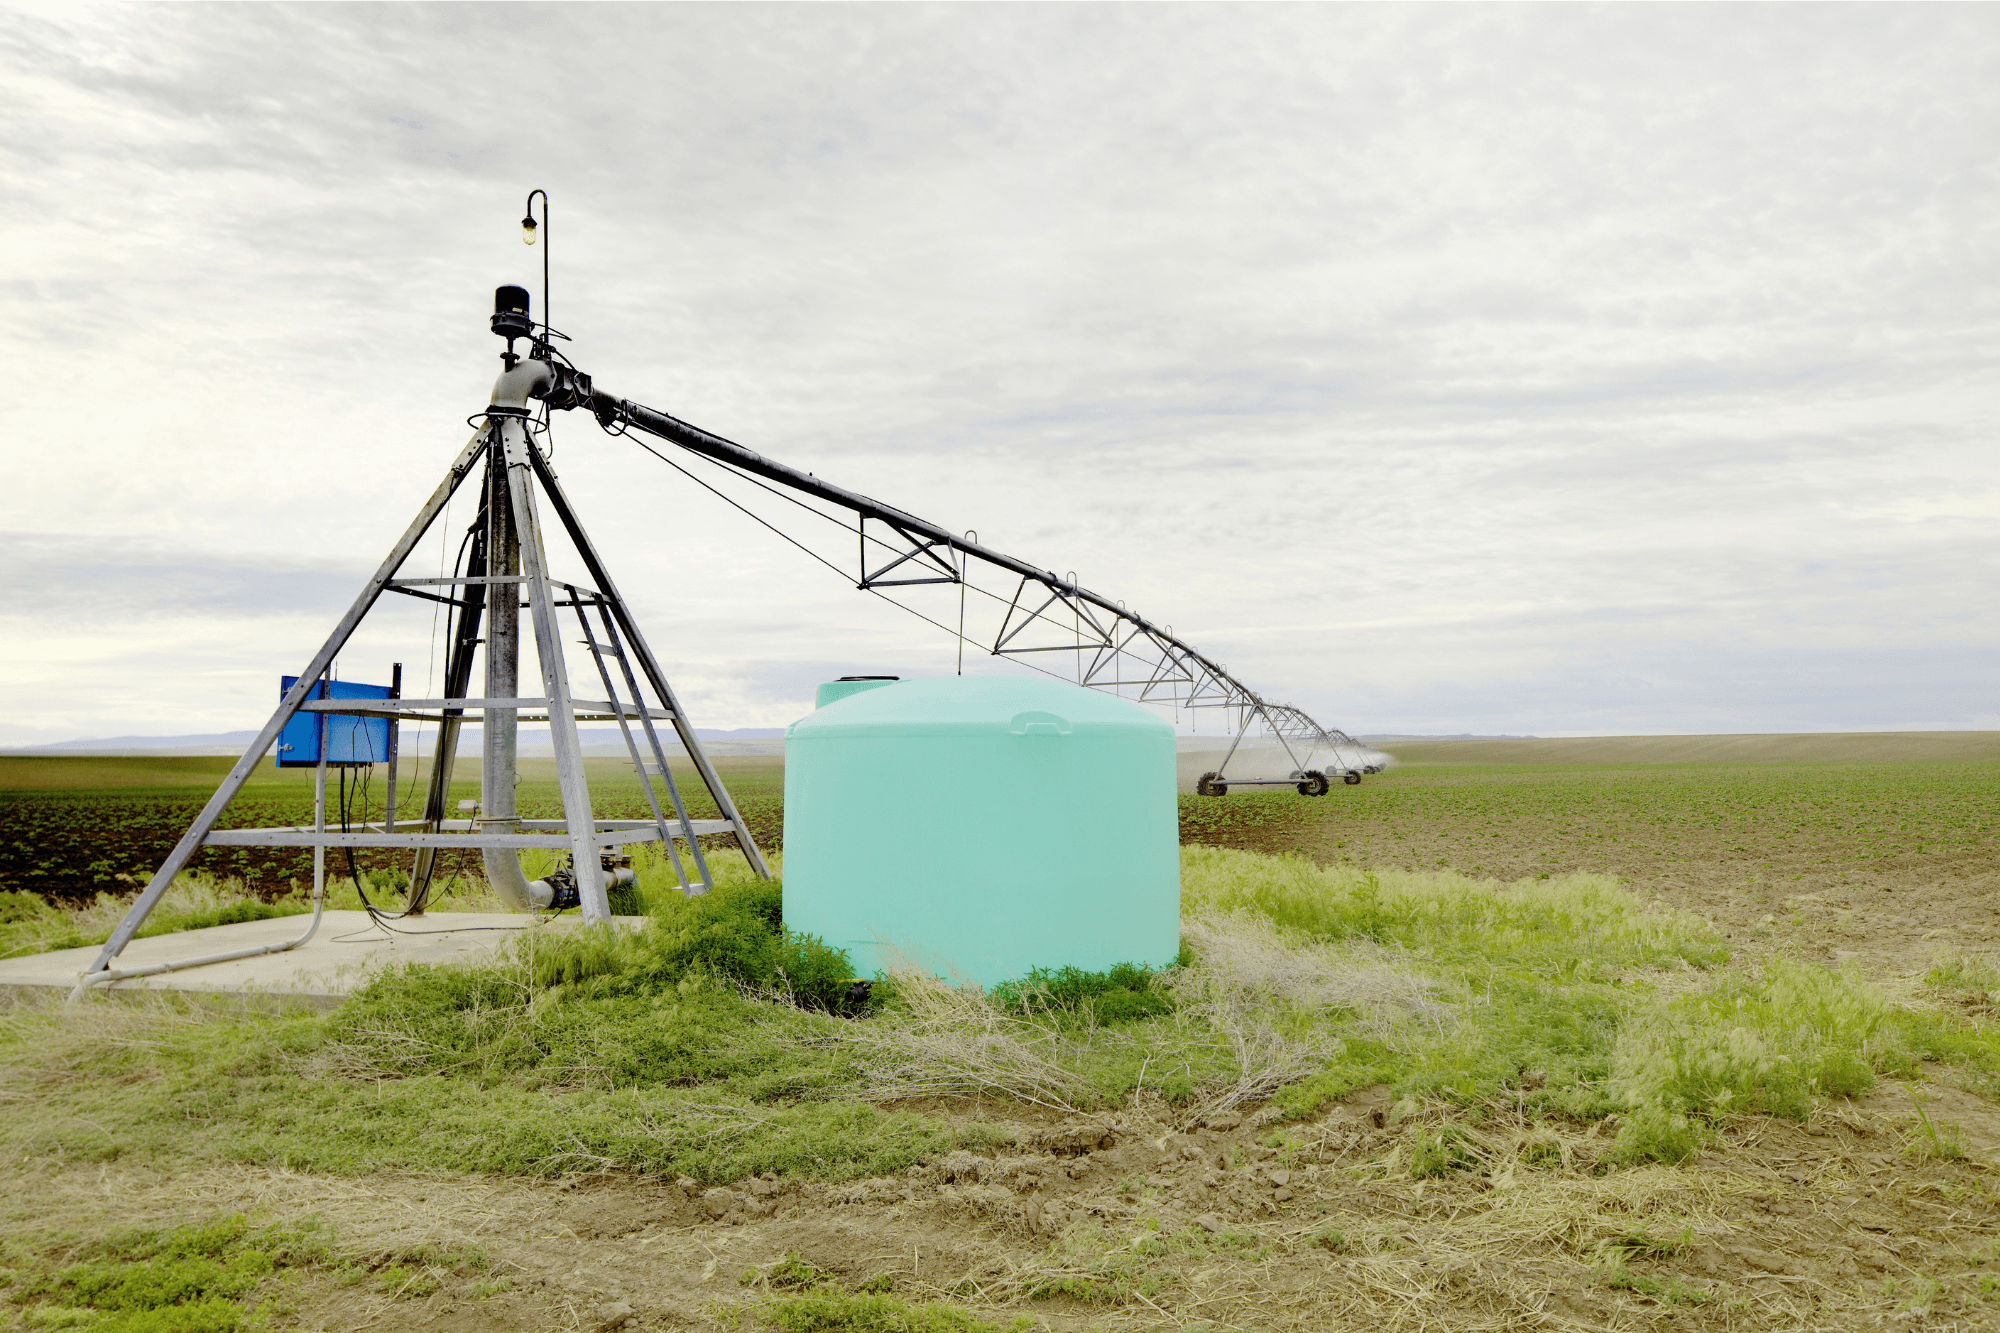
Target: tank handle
column 1036, row 723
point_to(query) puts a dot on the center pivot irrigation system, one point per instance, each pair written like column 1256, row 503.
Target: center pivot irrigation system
column 504, row 568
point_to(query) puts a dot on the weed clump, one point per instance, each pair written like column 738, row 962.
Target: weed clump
column 1764, row 1045
column 735, row 933
column 1576, row 922
column 1121, row 994
column 1941, row 1140
column 1441, row 1152
column 1654, row 1134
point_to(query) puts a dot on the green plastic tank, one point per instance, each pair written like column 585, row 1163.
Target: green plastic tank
column 980, row 826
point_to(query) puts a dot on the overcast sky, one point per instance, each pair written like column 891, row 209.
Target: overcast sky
column 1554, row 370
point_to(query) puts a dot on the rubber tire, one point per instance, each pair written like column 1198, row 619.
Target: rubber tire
column 1315, row 783
column 1211, row 784
column 1352, row 779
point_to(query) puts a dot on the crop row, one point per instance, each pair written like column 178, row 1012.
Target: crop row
column 70, row 844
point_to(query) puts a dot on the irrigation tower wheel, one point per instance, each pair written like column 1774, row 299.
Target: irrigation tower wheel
column 1211, row 784
column 1352, row 779
column 1315, row 783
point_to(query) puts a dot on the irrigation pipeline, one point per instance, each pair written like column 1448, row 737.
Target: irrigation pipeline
column 1179, row 664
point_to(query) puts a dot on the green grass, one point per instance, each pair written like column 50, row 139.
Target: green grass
column 1551, row 1009
column 217, row 1276
column 1769, row 1043
column 641, row 1050
column 1534, row 972
column 193, row 1279
column 714, row 1044
column 29, row 924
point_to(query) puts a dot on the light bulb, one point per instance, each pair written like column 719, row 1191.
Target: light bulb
column 528, row 230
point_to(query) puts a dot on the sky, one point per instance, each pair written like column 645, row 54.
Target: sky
column 1554, row 370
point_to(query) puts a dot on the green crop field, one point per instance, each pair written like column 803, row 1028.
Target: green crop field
column 1767, row 820
column 74, row 827
column 1832, row 850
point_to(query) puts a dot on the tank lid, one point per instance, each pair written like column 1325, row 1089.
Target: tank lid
column 846, row 685
column 941, row 705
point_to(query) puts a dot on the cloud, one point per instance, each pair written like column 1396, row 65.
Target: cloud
column 1466, row 369
column 107, row 581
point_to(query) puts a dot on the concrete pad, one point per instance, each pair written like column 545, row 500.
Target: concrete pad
column 347, row 950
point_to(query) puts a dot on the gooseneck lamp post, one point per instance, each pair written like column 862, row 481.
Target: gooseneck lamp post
column 529, row 228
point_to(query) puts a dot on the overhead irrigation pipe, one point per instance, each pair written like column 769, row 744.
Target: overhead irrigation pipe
column 574, row 390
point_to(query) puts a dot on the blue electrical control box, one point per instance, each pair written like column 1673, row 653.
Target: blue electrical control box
column 350, row 741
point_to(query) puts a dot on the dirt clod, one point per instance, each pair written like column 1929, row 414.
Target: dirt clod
column 1073, row 1140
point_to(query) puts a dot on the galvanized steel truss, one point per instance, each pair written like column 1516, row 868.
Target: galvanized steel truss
column 1114, row 648
column 504, row 442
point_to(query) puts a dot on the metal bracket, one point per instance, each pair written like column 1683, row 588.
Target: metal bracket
column 923, row 550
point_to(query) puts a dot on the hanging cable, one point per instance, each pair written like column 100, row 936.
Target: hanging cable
column 765, row 523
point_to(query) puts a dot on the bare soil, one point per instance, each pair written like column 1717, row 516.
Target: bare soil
column 1831, row 1224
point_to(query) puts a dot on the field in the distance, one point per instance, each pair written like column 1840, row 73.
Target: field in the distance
column 70, row 827
column 1878, row 846
column 1885, row 848
column 1819, row 747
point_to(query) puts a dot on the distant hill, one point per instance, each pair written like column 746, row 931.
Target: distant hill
column 1438, row 736
column 1820, row 747
column 235, row 740
column 534, row 740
